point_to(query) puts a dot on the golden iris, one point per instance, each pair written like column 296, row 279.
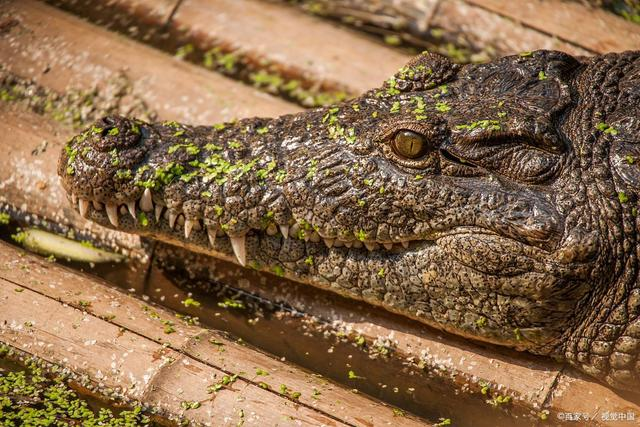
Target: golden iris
column 409, row 144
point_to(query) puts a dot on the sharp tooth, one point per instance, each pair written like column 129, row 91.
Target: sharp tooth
column 112, row 213
column 349, row 243
column 123, row 210
column 83, row 206
column 159, row 209
column 295, row 230
column 357, row 244
column 284, row 229
column 315, row 237
column 328, row 242
column 146, row 201
column 211, row 232
column 188, row 226
column 405, row 243
column 388, row 246
column 338, row 243
column 237, row 243
column 74, row 199
column 272, row 229
column 131, row 207
column 372, row 246
column 180, row 219
column 97, row 205
column 172, row 219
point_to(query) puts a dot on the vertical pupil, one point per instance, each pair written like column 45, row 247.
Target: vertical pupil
column 409, row 144
column 413, row 146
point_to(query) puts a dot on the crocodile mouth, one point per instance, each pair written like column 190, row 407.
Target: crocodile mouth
column 152, row 218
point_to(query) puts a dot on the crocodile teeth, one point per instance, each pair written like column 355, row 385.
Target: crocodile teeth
column 314, row 237
column 357, row 244
column 131, row 207
column 146, row 202
column 83, row 206
column 239, row 249
column 211, row 232
column 372, row 246
column 159, row 209
column 328, row 242
column 112, row 213
column 388, row 246
column 188, row 226
column 405, row 243
column 97, row 205
column 284, row 229
column 348, row 244
column 74, row 199
column 172, row 220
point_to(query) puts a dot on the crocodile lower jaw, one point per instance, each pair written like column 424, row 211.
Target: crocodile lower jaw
column 159, row 215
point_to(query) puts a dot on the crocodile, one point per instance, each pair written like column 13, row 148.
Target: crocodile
column 495, row 201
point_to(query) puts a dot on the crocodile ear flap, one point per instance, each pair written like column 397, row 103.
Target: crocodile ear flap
column 422, row 72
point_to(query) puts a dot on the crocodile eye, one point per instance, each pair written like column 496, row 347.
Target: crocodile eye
column 409, row 144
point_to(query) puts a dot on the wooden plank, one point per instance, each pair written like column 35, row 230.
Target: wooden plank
column 197, row 362
column 299, row 44
column 457, row 28
column 135, row 366
column 60, row 51
column 592, row 28
column 153, row 12
column 586, row 402
column 484, row 28
column 83, row 343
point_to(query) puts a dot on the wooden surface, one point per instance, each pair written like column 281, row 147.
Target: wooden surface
column 79, row 322
column 485, row 28
column 61, row 52
column 493, row 26
column 594, row 29
column 280, row 34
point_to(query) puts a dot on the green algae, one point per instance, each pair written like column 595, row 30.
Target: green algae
column 30, row 396
column 76, row 107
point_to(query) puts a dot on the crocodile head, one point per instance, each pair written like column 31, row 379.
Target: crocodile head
column 495, row 201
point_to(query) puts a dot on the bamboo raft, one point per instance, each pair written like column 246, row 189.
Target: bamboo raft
column 310, row 358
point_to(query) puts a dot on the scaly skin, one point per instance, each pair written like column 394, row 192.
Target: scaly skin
column 516, row 224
